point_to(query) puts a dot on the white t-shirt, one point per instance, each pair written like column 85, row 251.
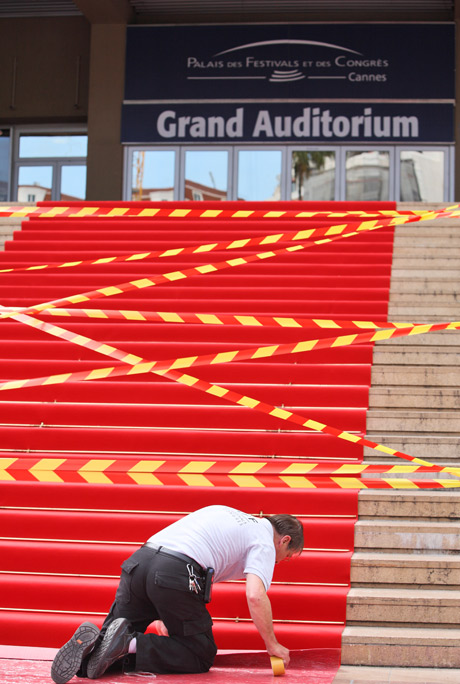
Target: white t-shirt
column 223, row 538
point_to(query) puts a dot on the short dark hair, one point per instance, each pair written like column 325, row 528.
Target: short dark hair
column 288, row 525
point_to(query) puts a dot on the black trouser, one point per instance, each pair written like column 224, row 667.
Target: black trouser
column 155, row 586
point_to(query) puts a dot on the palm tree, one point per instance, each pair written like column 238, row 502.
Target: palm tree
column 304, row 163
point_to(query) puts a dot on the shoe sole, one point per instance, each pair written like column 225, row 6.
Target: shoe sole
column 100, row 661
column 69, row 658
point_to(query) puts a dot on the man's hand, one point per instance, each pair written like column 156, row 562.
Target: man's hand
column 281, row 652
column 261, row 614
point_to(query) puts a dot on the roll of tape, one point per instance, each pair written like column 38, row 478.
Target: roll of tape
column 277, row 665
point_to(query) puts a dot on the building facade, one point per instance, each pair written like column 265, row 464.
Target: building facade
column 159, row 100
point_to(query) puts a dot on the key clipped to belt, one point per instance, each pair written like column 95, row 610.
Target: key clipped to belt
column 193, row 583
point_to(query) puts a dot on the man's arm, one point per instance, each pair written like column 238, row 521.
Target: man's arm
column 261, row 614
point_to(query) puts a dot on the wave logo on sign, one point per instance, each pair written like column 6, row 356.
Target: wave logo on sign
column 282, row 76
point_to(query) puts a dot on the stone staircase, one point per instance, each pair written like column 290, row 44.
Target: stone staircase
column 403, row 608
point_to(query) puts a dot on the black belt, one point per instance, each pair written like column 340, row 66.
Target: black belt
column 175, row 554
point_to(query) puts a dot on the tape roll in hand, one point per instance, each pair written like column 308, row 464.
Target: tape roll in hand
column 277, row 665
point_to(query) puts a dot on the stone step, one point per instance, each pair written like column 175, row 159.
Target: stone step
column 405, row 571
column 429, row 312
column 426, row 233
column 424, row 263
column 410, row 375
column 380, row 607
column 424, row 288
column 426, row 298
column 438, row 449
column 403, row 647
column 434, row 251
column 408, row 535
column 416, row 354
column 414, row 397
column 418, row 505
column 413, row 420
column 441, row 272
column 443, row 338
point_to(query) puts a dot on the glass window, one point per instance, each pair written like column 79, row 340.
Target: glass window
column 34, row 183
column 367, row 176
column 422, row 176
column 259, row 175
column 206, row 175
column 73, row 182
column 52, row 146
column 4, row 163
column 153, row 174
column 313, row 175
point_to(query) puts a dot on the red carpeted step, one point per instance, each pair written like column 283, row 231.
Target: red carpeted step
column 169, row 393
column 60, row 350
column 202, row 292
column 320, row 256
column 84, row 595
column 114, row 441
column 71, row 558
column 264, row 268
column 341, row 503
column 295, row 308
column 22, row 628
column 160, row 415
column 280, row 373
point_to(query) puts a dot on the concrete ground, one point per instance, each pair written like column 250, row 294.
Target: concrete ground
column 349, row 674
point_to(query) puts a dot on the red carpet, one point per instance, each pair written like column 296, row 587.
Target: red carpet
column 319, row 666
column 62, row 542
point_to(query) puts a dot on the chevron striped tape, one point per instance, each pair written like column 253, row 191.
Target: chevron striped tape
column 66, row 211
column 301, row 235
column 202, row 385
column 231, row 467
column 231, row 319
column 243, row 474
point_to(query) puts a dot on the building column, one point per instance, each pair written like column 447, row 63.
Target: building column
column 106, row 87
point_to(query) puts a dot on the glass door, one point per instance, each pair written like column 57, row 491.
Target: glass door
column 205, row 174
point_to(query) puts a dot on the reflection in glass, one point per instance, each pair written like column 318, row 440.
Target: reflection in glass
column 313, row 175
column 422, row 176
column 367, row 174
column 34, row 183
column 53, row 146
column 73, row 182
column 259, row 173
column 206, row 175
column 4, row 163
column 153, row 175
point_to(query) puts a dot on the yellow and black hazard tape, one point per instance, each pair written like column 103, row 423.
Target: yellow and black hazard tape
column 96, row 211
column 295, row 236
column 224, row 393
column 200, row 473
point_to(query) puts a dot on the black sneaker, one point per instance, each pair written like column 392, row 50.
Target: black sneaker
column 68, row 659
column 115, row 645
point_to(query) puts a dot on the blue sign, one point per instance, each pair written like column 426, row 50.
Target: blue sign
column 281, row 62
column 276, row 122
